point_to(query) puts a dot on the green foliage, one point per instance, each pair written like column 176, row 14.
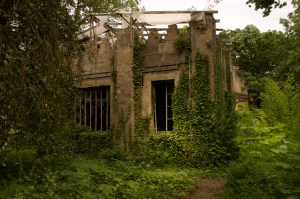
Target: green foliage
column 36, row 75
column 92, row 143
column 181, row 106
column 282, row 104
column 275, row 102
column 167, row 148
column 202, row 116
column 204, row 130
column 183, row 42
column 247, row 179
column 269, row 167
column 225, row 115
column 84, row 178
column 259, row 55
column 266, row 5
column 15, row 164
column 141, row 123
column 291, row 63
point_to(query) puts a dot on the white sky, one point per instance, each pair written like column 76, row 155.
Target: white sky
column 232, row 13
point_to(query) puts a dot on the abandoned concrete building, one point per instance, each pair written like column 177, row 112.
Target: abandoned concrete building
column 107, row 65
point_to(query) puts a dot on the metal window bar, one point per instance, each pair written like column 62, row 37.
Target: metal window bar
column 90, row 101
column 154, row 102
column 107, row 108
column 85, row 108
column 90, row 109
column 95, row 109
column 166, row 102
column 168, row 105
column 101, row 109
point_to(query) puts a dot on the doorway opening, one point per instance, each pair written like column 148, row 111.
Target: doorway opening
column 162, row 102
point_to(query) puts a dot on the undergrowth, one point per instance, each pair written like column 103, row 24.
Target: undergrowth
column 269, row 163
column 90, row 178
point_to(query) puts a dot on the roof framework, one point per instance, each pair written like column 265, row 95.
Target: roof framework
column 100, row 23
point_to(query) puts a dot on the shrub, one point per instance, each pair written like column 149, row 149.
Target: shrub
column 90, row 142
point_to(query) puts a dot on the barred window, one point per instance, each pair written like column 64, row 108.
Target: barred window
column 94, row 108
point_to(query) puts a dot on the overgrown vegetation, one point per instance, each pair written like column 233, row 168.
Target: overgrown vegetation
column 86, row 178
column 141, row 123
column 269, row 140
column 204, row 129
column 44, row 155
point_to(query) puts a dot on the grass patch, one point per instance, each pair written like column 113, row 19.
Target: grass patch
column 90, row 178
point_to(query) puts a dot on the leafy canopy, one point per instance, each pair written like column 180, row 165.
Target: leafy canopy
column 266, row 5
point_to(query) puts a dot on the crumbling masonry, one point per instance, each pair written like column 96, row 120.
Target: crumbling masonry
column 107, row 80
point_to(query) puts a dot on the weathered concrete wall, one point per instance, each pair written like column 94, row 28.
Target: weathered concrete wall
column 147, row 88
column 124, row 85
column 238, row 83
column 160, row 52
column 124, row 61
column 97, row 69
column 98, row 60
column 160, row 60
column 203, row 37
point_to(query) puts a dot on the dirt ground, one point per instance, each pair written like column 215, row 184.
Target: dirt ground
column 208, row 189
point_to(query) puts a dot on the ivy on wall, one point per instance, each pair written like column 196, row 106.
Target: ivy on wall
column 141, row 123
column 204, row 128
column 207, row 126
column 202, row 113
column 224, row 110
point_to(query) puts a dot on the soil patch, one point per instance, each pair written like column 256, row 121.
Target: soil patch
column 208, row 189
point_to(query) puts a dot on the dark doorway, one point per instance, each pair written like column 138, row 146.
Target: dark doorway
column 162, row 101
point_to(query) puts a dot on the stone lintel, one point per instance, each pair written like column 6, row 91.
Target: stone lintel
column 96, row 75
column 161, row 68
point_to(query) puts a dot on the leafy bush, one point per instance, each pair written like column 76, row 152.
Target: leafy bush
column 183, row 42
column 85, row 178
column 15, row 164
column 269, row 167
column 166, row 148
column 282, row 104
column 90, row 142
column 247, row 179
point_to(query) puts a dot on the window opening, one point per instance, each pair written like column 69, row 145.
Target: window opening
column 162, row 100
column 94, row 108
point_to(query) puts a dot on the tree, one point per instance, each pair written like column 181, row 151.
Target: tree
column 83, row 7
column 291, row 64
column 257, row 54
column 266, row 5
column 36, row 70
column 38, row 47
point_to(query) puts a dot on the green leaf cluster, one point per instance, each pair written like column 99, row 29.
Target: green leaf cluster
column 204, row 128
column 266, row 5
column 268, row 167
column 37, row 73
column 86, row 178
column 141, row 123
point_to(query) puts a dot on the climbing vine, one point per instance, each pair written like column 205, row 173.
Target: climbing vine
column 141, row 123
column 203, row 125
column 206, row 126
column 202, row 115
column 223, row 132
